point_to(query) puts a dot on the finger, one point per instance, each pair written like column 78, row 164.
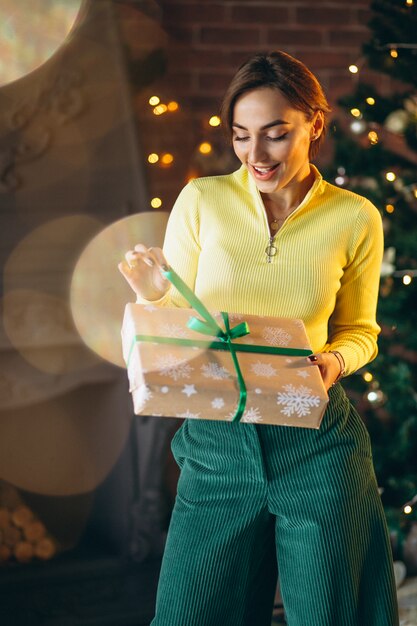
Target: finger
column 159, row 257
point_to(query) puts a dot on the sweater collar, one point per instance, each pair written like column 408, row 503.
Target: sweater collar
column 244, row 179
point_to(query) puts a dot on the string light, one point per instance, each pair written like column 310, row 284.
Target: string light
column 394, row 53
column 205, row 147
column 173, row 106
column 154, row 100
column 156, row 203
column 368, row 377
column 215, row 120
column 390, row 176
column 409, row 3
column 370, row 101
column 160, row 109
column 390, row 208
column 373, row 137
column 408, row 506
column 407, row 279
column 153, row 158
column 355, row 112
column 354, row 69
column 167, row 158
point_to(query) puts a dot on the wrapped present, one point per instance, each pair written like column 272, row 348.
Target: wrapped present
column 225, row 366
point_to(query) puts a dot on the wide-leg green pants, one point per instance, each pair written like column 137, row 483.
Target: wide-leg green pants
column 251, row 496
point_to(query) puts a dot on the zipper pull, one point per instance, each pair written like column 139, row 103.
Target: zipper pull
column 270, row 250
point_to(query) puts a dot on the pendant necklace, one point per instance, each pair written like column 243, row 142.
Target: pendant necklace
column 270, row 250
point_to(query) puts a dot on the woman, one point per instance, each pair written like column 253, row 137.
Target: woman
column 275, row 239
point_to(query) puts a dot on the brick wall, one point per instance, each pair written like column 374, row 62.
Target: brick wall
column 208, row 40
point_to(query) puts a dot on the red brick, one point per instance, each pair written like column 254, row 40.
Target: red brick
column 363, row 17
column 199, row 58
column 230, row 36
column 326, row 59
column 214, row 82
column 294, row 36
column 258, row 14
column 348, row 38
column 324, row 16
column 194, row 13
column 184, row 34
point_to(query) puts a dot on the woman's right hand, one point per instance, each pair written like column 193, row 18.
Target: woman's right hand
column 142, row 270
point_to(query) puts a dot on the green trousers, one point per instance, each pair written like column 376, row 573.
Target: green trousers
column 254, row 500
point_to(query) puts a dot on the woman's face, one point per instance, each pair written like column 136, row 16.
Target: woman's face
column 272, row 138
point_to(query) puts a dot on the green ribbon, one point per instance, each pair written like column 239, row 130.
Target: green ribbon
column 209, row 326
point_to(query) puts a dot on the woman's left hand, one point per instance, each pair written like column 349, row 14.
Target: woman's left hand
column 329, row 366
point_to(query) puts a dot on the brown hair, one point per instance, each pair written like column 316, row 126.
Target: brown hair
column 278, row 70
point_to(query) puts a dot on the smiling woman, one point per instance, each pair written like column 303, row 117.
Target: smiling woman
column 31, row 31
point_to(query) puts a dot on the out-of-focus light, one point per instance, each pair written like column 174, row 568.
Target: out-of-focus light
column 215, row 120
column 370, row 101
column 156, row 203
column 167, row 158
column 340, row 180
column 368, row 377
column 355, row 112
column 173, row 106
column 154, row 100
column 372, row 396
column 394, row 53
column 409, row 3
column 358, row 126
column 205, row 147
column 407, row 279
column 373, row 137
column 408, row 509
column 390, row 176
column 354, row 69
column 153, row 158
column 390, row 208
column 160, row 109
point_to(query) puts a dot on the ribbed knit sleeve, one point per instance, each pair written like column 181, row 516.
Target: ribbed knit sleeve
column 353, row 329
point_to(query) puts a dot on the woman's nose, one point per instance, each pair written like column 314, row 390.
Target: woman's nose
column 256, row 152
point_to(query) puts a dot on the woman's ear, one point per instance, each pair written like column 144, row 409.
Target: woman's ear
column 317, row 125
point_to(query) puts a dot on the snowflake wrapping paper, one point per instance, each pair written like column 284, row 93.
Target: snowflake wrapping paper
column 198, row 382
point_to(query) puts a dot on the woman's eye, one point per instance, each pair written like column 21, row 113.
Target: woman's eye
column 241, row 138
column 280, row 138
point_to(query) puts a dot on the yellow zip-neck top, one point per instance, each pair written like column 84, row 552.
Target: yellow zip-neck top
column 326, row 270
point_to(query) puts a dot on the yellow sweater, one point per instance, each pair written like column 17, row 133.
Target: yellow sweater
column 326, row 270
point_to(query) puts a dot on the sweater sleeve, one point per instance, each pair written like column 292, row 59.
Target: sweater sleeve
column 181, row 245
column 353, row 329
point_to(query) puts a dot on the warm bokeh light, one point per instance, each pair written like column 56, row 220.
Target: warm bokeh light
column 215, row 120
column 409, row 3
column 153, row 158
column 173, row 106
column 355, row 112
column 167, row 158
column 154, row 100
column 394, row 53
column 353, row 68
column 373, row 137
column 368, row 377
column 156, row 203
column 160, row 109
column 407, row 279
column 99, row 292
column 408, row 509
column 370, row 101
column 390, row 176
column 390, row 208
column 31, row 31
column 205, row 147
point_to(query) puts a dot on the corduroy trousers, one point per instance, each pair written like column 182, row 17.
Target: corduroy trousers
column 257, row 499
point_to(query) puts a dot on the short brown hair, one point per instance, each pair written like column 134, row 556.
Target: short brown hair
column 278, row 70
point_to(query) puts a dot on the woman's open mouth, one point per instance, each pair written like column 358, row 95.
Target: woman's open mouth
column 264, row 173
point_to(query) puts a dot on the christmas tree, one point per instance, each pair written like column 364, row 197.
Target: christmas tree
column 375, row 155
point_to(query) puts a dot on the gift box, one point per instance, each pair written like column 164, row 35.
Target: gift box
column 175, row 371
